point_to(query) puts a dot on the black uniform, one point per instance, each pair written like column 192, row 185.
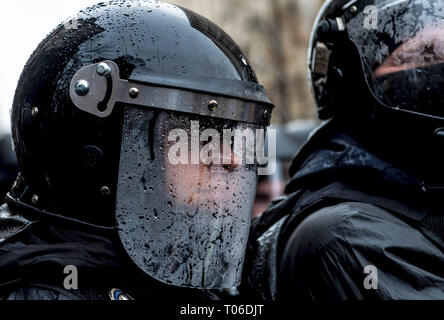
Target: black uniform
column 347, row 209
column 363, row 218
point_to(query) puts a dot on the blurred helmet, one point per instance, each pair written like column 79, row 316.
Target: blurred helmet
column 92, row 121
column 388, row 52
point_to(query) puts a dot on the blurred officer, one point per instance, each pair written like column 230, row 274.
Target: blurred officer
column 363, row 218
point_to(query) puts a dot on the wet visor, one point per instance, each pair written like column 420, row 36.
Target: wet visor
column 183, row 224
column 402, row 52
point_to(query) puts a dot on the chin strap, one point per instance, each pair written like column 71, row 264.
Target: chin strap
column 17, row 204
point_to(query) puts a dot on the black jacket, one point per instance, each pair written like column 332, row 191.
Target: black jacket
column 347, row 209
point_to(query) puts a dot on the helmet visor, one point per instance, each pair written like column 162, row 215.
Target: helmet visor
column 183, row 222
column 401, row 44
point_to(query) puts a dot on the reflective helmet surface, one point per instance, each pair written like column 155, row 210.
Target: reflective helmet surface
column 90, row 153
column 398, row 49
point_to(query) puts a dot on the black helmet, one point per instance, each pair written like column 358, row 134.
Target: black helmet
column 388, row 52
column 91, row 121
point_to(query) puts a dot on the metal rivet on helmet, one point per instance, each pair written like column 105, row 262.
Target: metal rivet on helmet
column 82, row 87
column 105, row 191
column 35, row 112
column 212, row 105
column 35, row 199
column 103, row 69
column 133, row 93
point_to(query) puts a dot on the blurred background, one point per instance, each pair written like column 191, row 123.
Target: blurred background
column 273, row 34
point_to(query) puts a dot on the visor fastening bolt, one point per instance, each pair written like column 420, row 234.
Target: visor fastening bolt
column 82, row 88
column 212, row 106
column 103, row 69
column 35, row 199
column 105, row 191
column 353, row 9
column 133, row 93
column 35, row 112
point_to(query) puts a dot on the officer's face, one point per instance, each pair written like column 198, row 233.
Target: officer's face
column 211, row 184
column 209, row 177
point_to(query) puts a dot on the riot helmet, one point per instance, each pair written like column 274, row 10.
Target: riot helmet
column 392, row 50
column 93, row 121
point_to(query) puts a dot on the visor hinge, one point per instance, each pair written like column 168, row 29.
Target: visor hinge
column 328, row 29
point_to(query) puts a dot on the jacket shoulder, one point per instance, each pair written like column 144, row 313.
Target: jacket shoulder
column 11, row 223
column 31, row 293
column 327, row 254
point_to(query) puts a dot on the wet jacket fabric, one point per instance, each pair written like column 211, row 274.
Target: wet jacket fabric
column 347, row 210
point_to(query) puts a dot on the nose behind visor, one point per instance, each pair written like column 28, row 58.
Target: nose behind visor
column 98, row 87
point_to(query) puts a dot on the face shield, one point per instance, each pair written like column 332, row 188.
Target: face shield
column 187, row 177
column 401, row 44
